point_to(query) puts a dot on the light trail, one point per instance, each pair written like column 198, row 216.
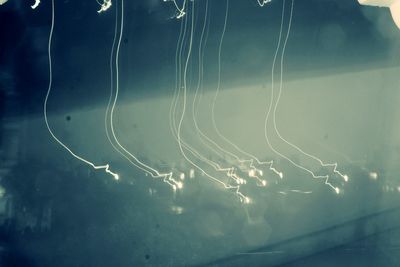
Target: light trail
column 36, row 4
column 230, row 171
column 295, row 191
column 263, row 2
column 195, row 103
column 178, row 131
column 181, row 10
column 167, row 177
column 252, row 171
column 105, row 167
column 104, row 6
column 275, row 106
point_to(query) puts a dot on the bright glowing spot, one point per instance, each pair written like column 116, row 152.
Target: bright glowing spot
column 182, row 176
column 191, row 173
column 251, row 173
column 260, row 172
column 337, row 190
column 179, row 185
column 241, row 181
column 373, row 175
column 281, row 175
column 116, row 176
column 264, row 183
column 346, row 178
column 177, row 209
column 398, row 189
column 246, row 200
column 35, row 5
column 181, row 10
column 104, row 6
column 2, row 2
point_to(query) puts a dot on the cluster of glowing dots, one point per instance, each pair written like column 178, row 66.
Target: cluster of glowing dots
column 253, row 173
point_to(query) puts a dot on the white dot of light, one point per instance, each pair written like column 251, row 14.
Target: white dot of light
column 179, row 185
column 373, row 175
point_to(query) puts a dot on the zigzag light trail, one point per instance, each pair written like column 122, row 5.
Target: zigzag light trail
column 174, row 103
column 105, row 167
column 181, row 10
column 167, row 177
column 104, row 6
column 263, row 2
column 182, row 145
column 253, row 172
column 245, row 165
column 275, row 106
column 199, row 87
column 230, row 171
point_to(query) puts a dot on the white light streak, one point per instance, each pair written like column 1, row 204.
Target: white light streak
column 263, row 2
column 109, row 117
column 252, row 159
column 35, row 5
column 177, row 129
column 181, row 10
column 104, row 6
column 105, row 167
column 275, row 107
column 295, row 191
